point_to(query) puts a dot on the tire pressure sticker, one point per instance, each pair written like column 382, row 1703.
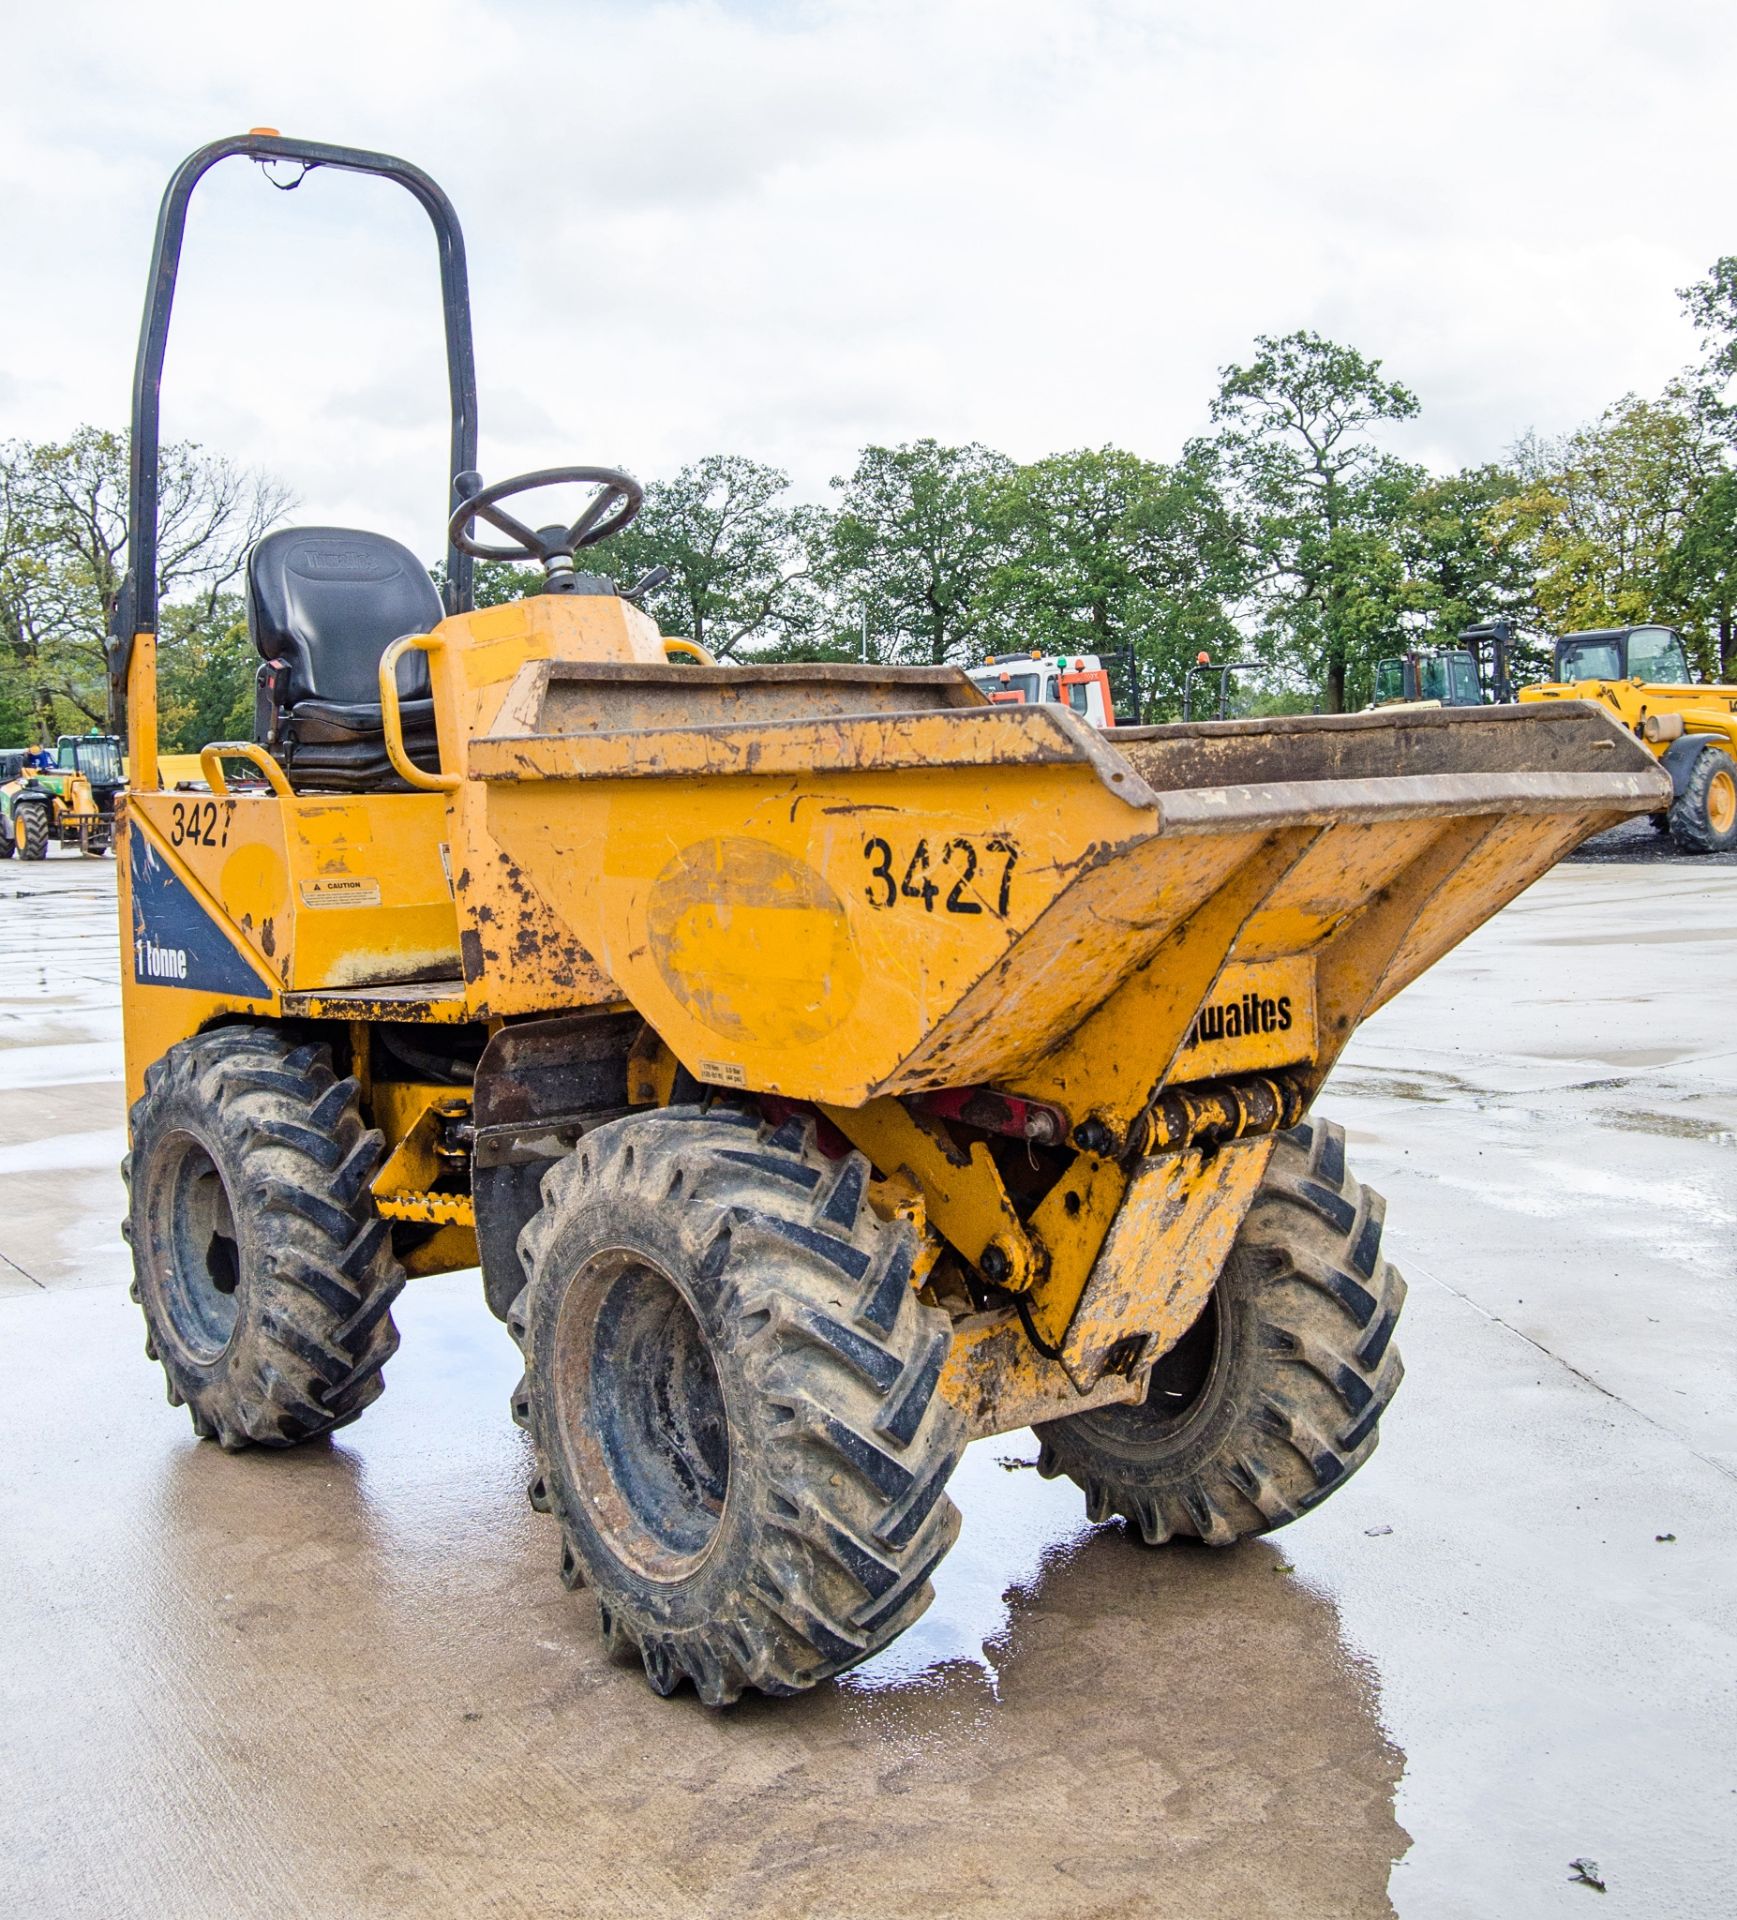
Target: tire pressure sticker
column 176, row 943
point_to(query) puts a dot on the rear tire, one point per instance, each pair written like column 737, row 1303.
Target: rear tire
column 264, row 1273
column 1703, row 817
column 33, row 841
column 732, row 1390
column 1273, row 1398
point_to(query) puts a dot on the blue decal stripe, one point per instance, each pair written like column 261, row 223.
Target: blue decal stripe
column 176, row 943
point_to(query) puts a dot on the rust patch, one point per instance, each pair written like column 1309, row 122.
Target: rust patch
column 999, row 1381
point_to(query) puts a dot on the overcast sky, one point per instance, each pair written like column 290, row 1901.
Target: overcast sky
column 786, row 229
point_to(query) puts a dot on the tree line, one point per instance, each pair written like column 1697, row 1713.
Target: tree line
column 1289, row 534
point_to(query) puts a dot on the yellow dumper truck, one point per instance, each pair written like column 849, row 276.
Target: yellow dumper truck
column 825, row 1066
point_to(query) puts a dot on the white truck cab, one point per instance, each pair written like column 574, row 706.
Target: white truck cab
column 1075, row 680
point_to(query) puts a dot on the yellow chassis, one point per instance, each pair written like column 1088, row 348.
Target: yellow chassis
column 870, row 895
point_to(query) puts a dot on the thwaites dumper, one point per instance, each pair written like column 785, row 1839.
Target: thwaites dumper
column 826, row 1067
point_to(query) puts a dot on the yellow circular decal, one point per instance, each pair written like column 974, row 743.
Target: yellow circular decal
column 754, row 944
column 254, row 884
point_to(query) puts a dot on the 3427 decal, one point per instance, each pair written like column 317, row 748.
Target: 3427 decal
column 199, row 823
column 961, row 875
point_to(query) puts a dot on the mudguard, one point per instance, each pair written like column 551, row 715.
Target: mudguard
column 1678, row 759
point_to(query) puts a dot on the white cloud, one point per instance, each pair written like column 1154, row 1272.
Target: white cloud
column 786, row 229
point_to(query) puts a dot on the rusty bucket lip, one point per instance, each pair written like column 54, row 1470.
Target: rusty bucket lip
column 866, row 743
column 1037, row 735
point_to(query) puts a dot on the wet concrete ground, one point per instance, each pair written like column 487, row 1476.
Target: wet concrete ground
column 346, row 1681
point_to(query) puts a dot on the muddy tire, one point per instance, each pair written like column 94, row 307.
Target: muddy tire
column 1272, row 1398
column 33, row 835
column 8, row 838
column 265, row 1276
column 1703, row 817
column 731, row 1388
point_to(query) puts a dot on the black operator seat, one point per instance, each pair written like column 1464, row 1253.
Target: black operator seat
column 323, row 605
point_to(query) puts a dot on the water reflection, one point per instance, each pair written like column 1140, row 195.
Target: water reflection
column 349, row 1677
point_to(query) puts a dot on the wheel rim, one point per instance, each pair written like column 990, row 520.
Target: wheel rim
column 196, row 1257
column 1181, row 1393
column 643, row 1422
column 1184, row 1372
column 1722, row 802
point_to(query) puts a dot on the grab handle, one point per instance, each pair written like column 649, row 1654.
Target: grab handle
column 392, row 719
column 211, row 760
column 691, row 649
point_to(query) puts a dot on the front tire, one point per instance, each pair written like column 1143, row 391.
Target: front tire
column 33, row 836
column 264, row 1273
column 1703, row 817
column 732, row 1389
column 1273, row 1398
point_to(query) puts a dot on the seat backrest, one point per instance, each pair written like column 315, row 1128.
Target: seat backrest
column 329, row 601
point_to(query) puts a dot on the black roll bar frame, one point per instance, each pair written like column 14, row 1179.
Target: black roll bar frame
column 136, row 608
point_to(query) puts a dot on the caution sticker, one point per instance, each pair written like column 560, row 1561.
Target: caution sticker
column 340, row 891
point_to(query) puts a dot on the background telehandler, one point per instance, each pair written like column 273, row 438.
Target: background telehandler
column 824, row 1065
column 1641, row 674
column 64, row 801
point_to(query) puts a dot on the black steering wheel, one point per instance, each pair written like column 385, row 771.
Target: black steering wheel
column 618, row 499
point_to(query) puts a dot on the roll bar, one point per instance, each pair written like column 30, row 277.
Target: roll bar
column 136, row 609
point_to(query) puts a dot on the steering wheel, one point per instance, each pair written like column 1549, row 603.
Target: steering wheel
column 618, row 499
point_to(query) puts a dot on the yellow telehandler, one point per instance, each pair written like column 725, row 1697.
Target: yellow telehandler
column 1641, row 675
column 824, row 1065
column 49, row 805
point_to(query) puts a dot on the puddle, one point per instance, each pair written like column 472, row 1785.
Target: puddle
column 1644, row 937
column 1015, row 1526
column 1626, row 1056
column 1432, row 1089
column 1669, row 1126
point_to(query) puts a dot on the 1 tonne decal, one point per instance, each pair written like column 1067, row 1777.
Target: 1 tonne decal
column 176, row 943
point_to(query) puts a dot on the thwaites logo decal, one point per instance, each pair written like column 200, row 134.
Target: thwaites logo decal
column 176, row 943
column 1262, row 1015
column 1249, row 1013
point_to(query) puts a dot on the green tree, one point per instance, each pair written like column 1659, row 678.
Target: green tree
column 1711, row 305
column 1701, row 570
column 1700, row 575
column 1108, row 553
column 1324, row 500
column 63, row 555
column 913, row 546
column 739, row 553
column 1465, row 560
column 207, row 666
column 493, row 582
column 1603, row 511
